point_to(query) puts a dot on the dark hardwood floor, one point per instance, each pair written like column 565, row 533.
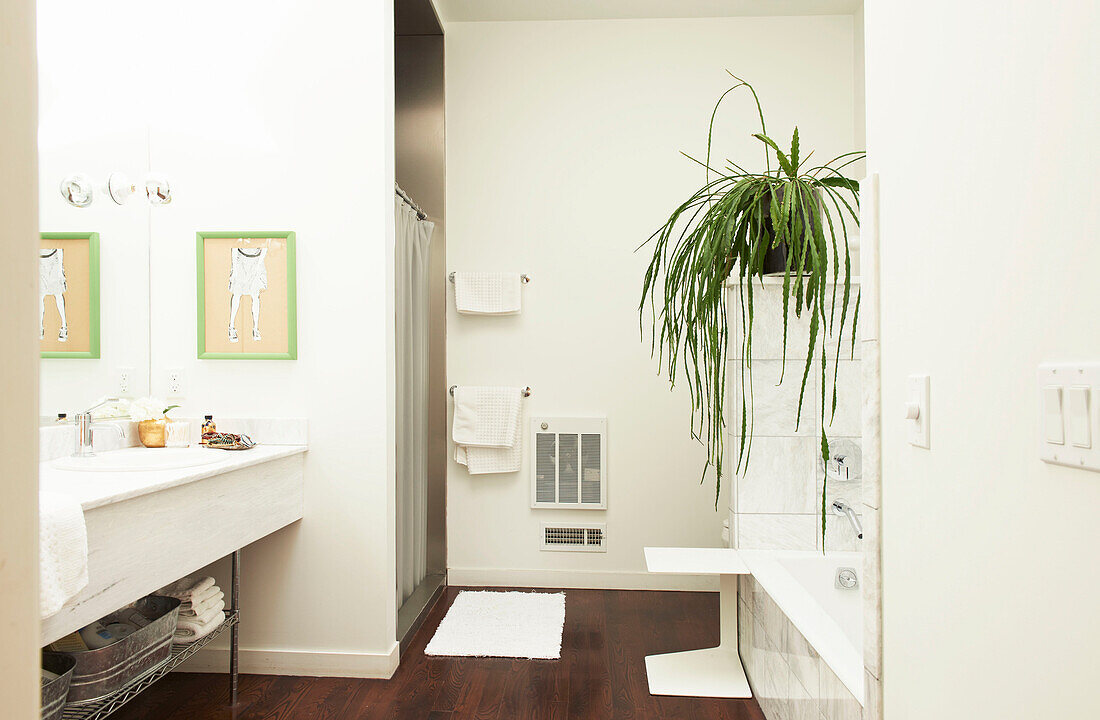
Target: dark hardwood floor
column 600, row 676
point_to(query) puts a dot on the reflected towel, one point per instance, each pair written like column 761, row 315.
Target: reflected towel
column 62, row 551
column 480, row 293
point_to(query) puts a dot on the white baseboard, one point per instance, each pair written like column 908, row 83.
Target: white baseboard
column 579, row 579
column 298, row 662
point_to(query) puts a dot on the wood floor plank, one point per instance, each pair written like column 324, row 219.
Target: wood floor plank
column 600, row 676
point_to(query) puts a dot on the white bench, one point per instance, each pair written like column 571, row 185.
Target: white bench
column 711, row 672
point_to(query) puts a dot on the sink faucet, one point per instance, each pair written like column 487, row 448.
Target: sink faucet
column 84, row 425
column 840, row 507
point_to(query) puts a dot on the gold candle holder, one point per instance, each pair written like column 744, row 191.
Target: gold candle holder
column 151, row 433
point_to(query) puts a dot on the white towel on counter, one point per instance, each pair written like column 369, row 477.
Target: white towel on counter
column 62, row 551
column 487, row 429
column 481, row 293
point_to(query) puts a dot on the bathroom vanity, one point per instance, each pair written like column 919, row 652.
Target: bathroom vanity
column 156, row 515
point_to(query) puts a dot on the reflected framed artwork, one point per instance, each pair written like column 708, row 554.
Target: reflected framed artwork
column 68, row 295
column 247, row 307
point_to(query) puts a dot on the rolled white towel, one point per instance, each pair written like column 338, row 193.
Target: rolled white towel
column 199, row 606
column 187, row 588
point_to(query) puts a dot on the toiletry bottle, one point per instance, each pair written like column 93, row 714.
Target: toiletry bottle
column 209, row 427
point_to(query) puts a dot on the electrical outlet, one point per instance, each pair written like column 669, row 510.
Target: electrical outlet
column 125, row 381
column 175, row 383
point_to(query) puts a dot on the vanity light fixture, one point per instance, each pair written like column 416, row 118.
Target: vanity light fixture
column 120, row 188
column 77, row 190
column 157, row 189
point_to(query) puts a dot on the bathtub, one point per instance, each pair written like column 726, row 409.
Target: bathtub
column 802, row 585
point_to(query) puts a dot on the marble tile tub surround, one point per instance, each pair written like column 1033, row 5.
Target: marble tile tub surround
column 57, row 441
column 788, row 677
column 777, row 502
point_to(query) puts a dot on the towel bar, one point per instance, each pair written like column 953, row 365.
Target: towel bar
column 526, row 391
column 524, row 278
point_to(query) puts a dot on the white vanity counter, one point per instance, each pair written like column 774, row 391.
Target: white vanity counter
column 97, row 488
column 147, row 528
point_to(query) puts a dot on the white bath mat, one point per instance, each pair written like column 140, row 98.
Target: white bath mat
column 501, row 624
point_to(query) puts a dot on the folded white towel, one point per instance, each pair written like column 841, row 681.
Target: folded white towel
column 62, row 551
column 190, row 629
column 486, row 416
column 199, row 606
column 479, row 293
column 487, row 429
column 186, row 588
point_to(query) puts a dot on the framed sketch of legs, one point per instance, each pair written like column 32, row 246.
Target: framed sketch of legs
column 68, row 294
column 247, row 304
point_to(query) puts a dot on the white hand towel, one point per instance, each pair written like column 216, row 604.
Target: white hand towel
column 62, row 550
column 487, row 429
column 486, row 416
column 187, row 588
column 478, row 293
column 484, row 460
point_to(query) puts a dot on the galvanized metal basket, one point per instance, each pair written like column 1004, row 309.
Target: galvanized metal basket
column 56, row 691
column 99, row 673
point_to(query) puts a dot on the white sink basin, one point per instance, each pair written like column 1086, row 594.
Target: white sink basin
column 140, row 459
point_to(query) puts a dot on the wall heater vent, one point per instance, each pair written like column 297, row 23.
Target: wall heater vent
column 570, row 468
column 574, row 538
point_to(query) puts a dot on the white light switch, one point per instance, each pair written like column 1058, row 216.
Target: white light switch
column 1078, row 419
column 1054, row 427
column 1067, row 413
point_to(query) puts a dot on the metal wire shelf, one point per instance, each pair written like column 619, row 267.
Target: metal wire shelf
column 180, row 652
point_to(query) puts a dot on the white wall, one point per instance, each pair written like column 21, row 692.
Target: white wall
column 253, row 117
column 261, row 129
column 981, row 125
column 563, row 143
column 91, row 121
column 19, row 674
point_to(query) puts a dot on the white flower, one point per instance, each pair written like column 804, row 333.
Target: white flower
column 111, row 410
column 147, row 408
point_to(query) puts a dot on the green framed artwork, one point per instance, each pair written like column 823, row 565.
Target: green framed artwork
column 247, row 297
column 68, row 274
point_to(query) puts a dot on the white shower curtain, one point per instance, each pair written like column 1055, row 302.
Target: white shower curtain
column 411, row 288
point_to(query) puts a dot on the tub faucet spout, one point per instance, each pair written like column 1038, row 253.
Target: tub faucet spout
column 840, row 507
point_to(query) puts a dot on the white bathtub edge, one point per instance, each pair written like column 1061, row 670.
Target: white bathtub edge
column 816, row 625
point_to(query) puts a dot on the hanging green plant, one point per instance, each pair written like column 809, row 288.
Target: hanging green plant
column 789, row 221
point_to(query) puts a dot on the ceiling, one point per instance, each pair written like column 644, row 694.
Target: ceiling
column 498, row 10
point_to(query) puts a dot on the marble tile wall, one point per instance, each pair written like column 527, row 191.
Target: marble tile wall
column 787, row 676
column 777, row 502
column 872, row 455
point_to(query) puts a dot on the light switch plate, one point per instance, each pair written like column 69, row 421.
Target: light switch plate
column 919, row 395
column 1076, row 385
